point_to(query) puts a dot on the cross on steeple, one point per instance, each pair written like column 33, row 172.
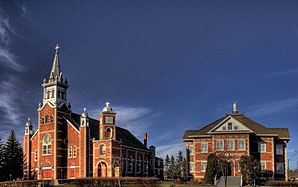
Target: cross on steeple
column 57, row 48
column 107, row 104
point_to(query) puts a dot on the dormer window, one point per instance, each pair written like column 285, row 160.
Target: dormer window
column 230, row 126
column 235, row 127
column 224, row 128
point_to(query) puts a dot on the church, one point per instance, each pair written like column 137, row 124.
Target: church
column 67, row 145
column 233, row 136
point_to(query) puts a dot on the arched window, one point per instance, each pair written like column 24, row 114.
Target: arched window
column 46, row 120
column 53, row 93
column 74, row 152
column 102, row 149
column 70, row 152
column 46, row 144
column 51, row 119
column 109, row 133
column 47, row 94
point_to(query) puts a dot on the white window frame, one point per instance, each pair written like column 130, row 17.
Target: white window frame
column 100, row 151
column 191, row 167
column 222, row 143
column 239, row 168
column 191, row 150
column 283, row 167
column 204, row 143
column 263, row 163
column 230, row 125
column 74, row 152
column 203, row 163
column 262, row 144
column 46, row 148
column 244, row 146
column 70, row 152
column 233, row 145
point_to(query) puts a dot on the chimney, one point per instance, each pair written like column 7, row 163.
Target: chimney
column 145, row 139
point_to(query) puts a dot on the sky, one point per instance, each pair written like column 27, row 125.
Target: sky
column 165, row 66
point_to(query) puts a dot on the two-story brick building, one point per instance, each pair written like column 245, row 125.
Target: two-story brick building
column 235, row 135
column 70, row 145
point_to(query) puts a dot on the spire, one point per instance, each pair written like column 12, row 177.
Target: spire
column 28, row 123
column 56, row 73
column 107, row 108
column 235, row 111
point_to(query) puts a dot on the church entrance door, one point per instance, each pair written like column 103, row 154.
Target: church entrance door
column 102, row 169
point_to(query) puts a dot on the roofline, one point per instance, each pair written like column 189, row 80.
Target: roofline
column 231, row 132
column 34, row 134
column 267, row 134
column 71, row 124
column 186, row 140
column 200, row 136
column 136, row 148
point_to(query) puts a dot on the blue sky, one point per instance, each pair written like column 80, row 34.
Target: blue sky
column 165, row 66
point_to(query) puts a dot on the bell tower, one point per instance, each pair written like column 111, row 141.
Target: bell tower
column 107, row 123
column 55, row 89
column 27, row 148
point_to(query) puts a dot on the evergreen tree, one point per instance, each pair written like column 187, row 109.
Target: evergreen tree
column 172, row 167
column 13, row 158
column 212, row 168
column 179, row 164
column 184, row 169
column 247, row 167
column 166, row 167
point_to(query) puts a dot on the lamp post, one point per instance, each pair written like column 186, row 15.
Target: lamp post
column 9, row 177
column 61, row 174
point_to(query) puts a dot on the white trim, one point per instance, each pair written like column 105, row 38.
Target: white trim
column 260, row 144
column 193, row 167
column 223, row 144
column 34, row 134
column 206, row 143
column 72, row 125
column 233, row 148
column 191, row 147
column 239, row 124
column 203, row 162
column 244, row 145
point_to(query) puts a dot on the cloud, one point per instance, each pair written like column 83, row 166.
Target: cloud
column 281, row 73
column 135, row 119
column 170, row 149
column 273, row 107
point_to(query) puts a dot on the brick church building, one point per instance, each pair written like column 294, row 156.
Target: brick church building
column 70, row 145
column 235, row 135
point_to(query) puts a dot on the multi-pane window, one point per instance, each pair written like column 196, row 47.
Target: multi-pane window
column 70, row 152
column 204, row 147
column 262, row 147
column 224, row 128
column 130, row 164
column 191, row 150
column 146, row 166
column 203, row 166
column 230, row 145
column 241, row 144
column 279, row 149
column 139, row 165
column 46, row 119
column 219, row 145
column 46, row 144
column 235, row 127
column 239, row 168
column 191, row 167
column 74, row 152
column 230, row 126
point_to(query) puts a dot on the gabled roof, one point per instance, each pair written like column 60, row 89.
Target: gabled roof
column 127, row 138
column 257, row 128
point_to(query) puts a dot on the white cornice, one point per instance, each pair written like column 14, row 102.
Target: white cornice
column 72, row 125
column 33, row 135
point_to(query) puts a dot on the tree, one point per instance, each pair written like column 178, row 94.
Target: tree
column 166, row 167
column 172, row 168
column 184, row 169
column 212, row 168
column 13, row 158
column 179, row 165
column 247, row 167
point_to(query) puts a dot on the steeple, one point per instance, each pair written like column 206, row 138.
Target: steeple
column 56, row 73
column 55, row 88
